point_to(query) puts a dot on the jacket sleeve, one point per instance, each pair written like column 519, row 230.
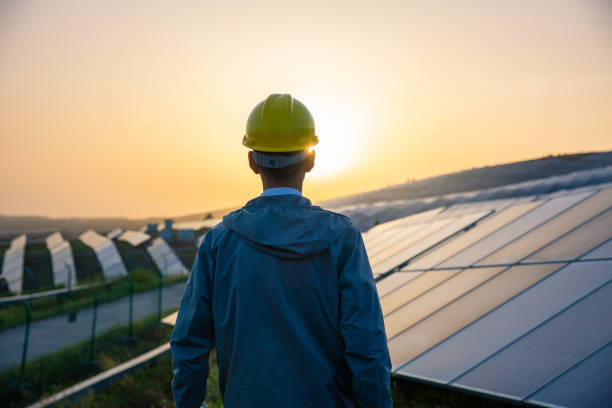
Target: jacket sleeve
column 362, row 327
column 193, row 335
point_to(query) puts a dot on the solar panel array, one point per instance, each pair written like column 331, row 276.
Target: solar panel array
column 62, row 260
column 12, row 263
column 106, row 252
column 134, row 238
column 165, row 258
column 510, row 298
column 114, row 233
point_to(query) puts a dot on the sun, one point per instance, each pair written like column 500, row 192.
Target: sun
column 338, row 139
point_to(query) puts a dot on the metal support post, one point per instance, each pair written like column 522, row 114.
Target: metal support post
column 26, row 339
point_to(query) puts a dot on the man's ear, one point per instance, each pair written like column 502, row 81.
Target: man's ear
column 310, row 161
column 254, row 166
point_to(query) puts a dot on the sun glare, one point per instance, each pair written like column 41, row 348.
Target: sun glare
column 338, row 140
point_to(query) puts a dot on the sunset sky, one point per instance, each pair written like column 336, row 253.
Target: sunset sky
column 137, row 108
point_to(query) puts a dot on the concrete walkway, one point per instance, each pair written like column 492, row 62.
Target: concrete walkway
column 53, row 334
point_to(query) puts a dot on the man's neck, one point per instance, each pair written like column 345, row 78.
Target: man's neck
column 267, row 185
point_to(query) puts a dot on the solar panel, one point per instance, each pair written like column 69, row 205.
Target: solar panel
column 584, row 386
column 422, row 306
column 602, row 252
column 399, row 246
column 466, row 309
column 106, row 252
column 555, row 227
column 62, row 260
column 114, row 233
column 12, row 264
column 403, row 222
column 406, row 292
column 476, row 342
column 513, row 230
column 579, row 241
column 532, row 361
column 480, row 231
column 391, row 237
column 134, row 238
column 165, row 258
column 429, row 241
column 394, row 281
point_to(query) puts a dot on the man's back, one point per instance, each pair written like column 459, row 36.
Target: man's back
column 284, row 291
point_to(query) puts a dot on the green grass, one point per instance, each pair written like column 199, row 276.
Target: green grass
column 150, row 387
column 14, row 315
column 52, row 373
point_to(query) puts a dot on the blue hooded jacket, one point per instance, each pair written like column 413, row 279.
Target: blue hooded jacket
column 284, row 291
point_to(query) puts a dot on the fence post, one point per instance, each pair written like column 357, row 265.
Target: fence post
column 130, row 325
column 26, row 340
column 159, row 296
column 93, row 328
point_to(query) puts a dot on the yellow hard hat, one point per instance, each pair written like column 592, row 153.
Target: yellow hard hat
column 280, row 124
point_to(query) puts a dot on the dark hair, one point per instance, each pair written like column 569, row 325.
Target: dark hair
column 283, row 174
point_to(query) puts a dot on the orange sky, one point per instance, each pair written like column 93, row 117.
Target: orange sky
column 138, row 108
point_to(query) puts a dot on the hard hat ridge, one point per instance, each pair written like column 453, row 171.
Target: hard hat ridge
column 280, row 123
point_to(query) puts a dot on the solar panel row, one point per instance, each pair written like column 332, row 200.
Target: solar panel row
column 517, row 306
column 12, row 264
column 62, row 260
column 165, row 258
column 106, row 252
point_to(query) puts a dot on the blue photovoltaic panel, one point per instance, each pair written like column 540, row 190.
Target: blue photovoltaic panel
column 513, row 230
column 165, row 258
column 391, row 237
column 499, row 328
column 410, row 313
column 480, row 231
column 556, row 227
column 394, row 281
column 428, row 241
column 601, row 252
column 405, row 243
column 535, row 359
column 584, row 386
column 445, row 321
column 577, row 242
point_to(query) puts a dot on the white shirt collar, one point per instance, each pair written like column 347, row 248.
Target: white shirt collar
column 274, row 191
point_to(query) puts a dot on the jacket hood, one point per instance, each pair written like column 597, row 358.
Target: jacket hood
column 287, row 226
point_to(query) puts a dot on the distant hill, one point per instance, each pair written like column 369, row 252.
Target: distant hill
column 39, row 227
column 481, row 178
